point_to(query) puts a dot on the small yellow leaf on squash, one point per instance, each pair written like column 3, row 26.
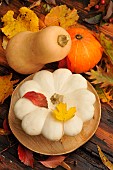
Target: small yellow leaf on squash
column 104, row 159
column 61, row 16
column 61, row 113
column 6, row 87
column 27, row 20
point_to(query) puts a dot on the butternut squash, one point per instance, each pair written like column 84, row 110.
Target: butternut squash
column 27, row 52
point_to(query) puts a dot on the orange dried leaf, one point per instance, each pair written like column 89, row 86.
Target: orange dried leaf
column 41, row 24
column 107, row 98
column 91, row 4
column 4, row 132
column 61, row 16
column 53, row 161
column 6, row 87
column 104, row 159
column 104, row 95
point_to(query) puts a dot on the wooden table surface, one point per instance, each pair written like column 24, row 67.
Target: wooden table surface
column 84, row 158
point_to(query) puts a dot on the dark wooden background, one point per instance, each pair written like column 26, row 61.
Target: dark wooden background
column 84, row 158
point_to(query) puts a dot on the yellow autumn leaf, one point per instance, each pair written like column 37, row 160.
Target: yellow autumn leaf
column 6, row 87
column 61, row 16
column 61, row 113
column 27, row 20
column 104, row 159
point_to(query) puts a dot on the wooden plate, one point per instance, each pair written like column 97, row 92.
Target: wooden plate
column 44, row 146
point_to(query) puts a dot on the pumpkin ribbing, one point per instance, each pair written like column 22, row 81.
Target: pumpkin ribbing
column 85, row 51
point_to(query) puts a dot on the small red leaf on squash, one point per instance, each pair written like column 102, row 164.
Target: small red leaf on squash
column 53, row 161
column 25, row 155
column 37, row 99
column 62, row 63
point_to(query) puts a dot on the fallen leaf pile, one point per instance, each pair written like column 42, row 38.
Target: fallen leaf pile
column 26, row 156
column 27, row 20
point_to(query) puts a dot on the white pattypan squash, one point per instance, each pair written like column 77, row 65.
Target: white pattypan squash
column 69, row 104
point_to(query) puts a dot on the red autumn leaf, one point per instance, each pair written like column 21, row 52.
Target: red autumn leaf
column 53, row 161
column 62, row 63
column 37, row 99
column 6, row 125
column 25, row 155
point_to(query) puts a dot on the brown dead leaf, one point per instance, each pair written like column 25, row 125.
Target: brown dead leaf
column 4, row 132
column 41, row 21
column 3, row 60
column 61, row 16
column 105, row 95
column 104, row 159
column 35, row 4
column 53, row 161
column 109, row 10
column 107, row 29
column 91, row 4
column 6, row 87
column 6, row 126
column 53, row 2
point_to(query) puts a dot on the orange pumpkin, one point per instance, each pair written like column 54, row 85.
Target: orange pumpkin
column 85, row 51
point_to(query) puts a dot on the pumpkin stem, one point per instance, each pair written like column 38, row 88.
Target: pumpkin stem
column 62, row 40
column 78, row 36
column 56, row 98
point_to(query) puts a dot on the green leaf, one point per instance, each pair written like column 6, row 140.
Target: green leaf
column 107, row 44
column 94, row 20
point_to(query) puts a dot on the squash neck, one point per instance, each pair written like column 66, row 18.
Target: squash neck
column 62, row 40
